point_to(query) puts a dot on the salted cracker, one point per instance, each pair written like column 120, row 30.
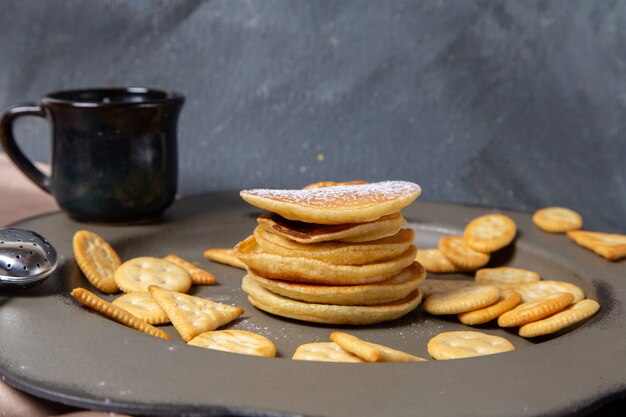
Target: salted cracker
column 571, row 315
column 433, row 260
column 535, row 310
column 198, row 275
column 116, row 313
column 224, row 256
column 505, row 276
column 324, row 352
column 540, row 289
column 97, row 260
column 509, row 298
column 432, row 286
column 462, row 299
column 609, row 246
column 490, row 232
column 371, row 352
column 191, row 315
column 557, row 219
column 143, row 306
column 235, row 341
column 456, row 250
column 465, row 344
column 137, row 274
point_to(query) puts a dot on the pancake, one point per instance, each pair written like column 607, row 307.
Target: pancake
column 323, row 184
column 337, row 204
column 338, row 253
column 327, row 313
column 301, row 269
column 393, row 289
column 306, row 233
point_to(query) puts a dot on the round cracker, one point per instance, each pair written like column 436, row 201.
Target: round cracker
column 461, row 300
column 465, row 344
column 509, row 298
column 324, row 352
column 535, row 310
column 506, row 276
column 435, row 286
column 326, row 313
column 540, row 289
column 557, row 219
column 433, row 260
column 143, row 306
column 457, row 252
column 236, row 341
column 490, row 232
column 97, row 260
column 567, row 317
column 137, row 274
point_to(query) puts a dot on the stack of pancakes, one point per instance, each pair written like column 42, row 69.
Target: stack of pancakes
column 333, row 253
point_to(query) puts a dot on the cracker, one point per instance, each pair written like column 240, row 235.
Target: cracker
column 457, row 252
column 433, row 260
column 236, row 341
column 505, row 276
column 371, row 352
column 224, row 256
column 609, row 246
column 557, row 219
column 490, row 232
column 324, row 352
column 191, row 315
column 435, row 286
column 97, row 259
column 465, row 344
column 137, row 274
column 462, row 300
column 570, row 316
column 535, row 310
column 509, row 298
column 116, row 313
column 540, row 289
column 143, row 306
column 198, row 275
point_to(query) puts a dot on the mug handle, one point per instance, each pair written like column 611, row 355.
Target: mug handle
column 14, row 152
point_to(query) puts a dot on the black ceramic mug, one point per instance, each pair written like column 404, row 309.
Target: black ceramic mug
column 114, row 151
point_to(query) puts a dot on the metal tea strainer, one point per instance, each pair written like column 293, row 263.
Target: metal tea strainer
column 26, row 258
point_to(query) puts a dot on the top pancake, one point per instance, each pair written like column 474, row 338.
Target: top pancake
column 336, row 204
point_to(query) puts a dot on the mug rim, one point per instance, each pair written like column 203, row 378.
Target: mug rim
column 168, row 96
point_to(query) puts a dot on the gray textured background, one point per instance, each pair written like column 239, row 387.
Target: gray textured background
column 512, row 104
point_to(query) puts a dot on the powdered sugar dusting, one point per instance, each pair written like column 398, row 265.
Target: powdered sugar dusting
column 347, row 195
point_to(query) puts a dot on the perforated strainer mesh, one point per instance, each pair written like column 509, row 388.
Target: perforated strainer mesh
column 25, row 256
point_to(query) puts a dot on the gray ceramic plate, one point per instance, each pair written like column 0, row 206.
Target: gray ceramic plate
column 53, row 348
